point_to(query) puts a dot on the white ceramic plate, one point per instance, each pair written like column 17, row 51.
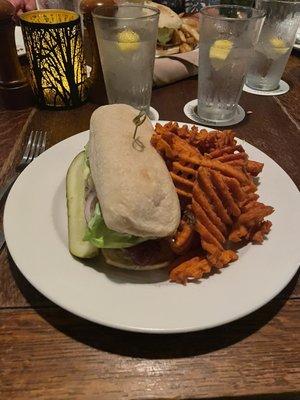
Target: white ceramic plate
column 35, row 223
column 19, row 41
column 297, row 46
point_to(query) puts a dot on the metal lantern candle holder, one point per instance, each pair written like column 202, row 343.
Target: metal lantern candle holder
column 54, row 48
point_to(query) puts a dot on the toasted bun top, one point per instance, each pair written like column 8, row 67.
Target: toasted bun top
column 134, row 187
column 167, row 18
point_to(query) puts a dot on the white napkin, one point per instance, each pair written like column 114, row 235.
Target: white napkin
column 175, row 68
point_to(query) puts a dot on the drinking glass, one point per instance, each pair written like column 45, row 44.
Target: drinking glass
column 275, row 43
column 71, row 5
column 126, row 37
column 227, row 37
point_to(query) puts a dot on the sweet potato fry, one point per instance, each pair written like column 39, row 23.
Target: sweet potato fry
column 259, row 234
column 225, row 138
column 177, row 179
column 249, row 206
column 203, row 219
column 254, row 167
column 220, row 259
column 227, row 170
column 183, row 132
column 184, row 195
column 194, row 269
column 237, row 163
column 194, row 159
column 188, row 172
column 249, row 198
column 207, row 237
column 225, row 150
column 255, row 215
column 205, row 183
column 232, row 157
column 183, row 238
column 225, row 195
column 202, row 200
column 228, row 256
column 238, row 233
column 214, row 179
column 163, row 148
column 180, row 146
column 235, row 188
column 250, row 187
column 250, row 222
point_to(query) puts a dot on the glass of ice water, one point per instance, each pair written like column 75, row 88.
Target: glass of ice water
column 227, row 37
column 126, row 37
column 275, row 43
column 71, row 5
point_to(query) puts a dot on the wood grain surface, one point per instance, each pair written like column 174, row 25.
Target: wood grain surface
column 47, row 353
column 73, row 359
column 11, row 123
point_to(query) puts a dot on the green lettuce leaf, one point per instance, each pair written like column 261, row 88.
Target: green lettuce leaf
column 101, row 236
column 164, row 35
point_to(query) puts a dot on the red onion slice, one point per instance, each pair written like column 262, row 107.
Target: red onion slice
column 90, row 205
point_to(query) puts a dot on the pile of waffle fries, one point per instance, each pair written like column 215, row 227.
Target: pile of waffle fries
column 184, row 39
column 217, row 188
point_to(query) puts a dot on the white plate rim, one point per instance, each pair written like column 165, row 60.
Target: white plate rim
column 296, row 46
column 157, row 56
column 136, row 328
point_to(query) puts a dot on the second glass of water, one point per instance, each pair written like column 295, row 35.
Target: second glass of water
column 227, row 37
column 126, row 37
column 275, row 43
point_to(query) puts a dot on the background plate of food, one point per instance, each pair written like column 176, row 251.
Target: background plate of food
column 36, row 230
column 297, row 41
column 177, row 33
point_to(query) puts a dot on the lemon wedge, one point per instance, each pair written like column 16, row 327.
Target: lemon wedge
column 128, row 40
column 219, row 51
column 279, row 45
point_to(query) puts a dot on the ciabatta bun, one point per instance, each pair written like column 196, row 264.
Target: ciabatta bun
column 133, row 184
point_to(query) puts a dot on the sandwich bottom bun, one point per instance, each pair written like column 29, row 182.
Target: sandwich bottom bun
column 140, row 257
column 112, row 257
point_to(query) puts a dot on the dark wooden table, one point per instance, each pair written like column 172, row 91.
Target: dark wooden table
column 47, row 353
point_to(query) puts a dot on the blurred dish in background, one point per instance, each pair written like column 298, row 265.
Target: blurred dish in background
column 297, row 42
column 177, row 33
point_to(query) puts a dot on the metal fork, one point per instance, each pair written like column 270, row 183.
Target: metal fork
column 36, row 144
